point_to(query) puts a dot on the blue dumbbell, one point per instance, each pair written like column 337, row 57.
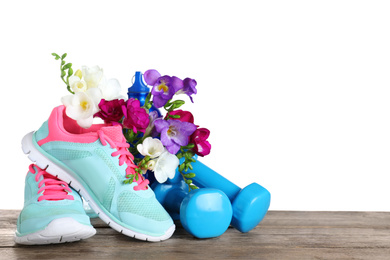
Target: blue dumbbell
column 204, row 213
column 250, row 204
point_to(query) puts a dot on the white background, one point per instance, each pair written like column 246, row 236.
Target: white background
column 296, row 93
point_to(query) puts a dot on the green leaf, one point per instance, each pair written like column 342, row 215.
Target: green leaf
column 193, row 187
column 176, row 104
column 188, row 155
column 70, row 72
column 55, row 55
column 190, row 175
column 130, row 179
column 147, row 99
column 62, row 62
column 67, row 66
column 63, row 73
column 174, row 116
column 68, row 87
column 189, row 146
column 167, row 105
column 188, row 181
column 63, row 56
column 181, row 167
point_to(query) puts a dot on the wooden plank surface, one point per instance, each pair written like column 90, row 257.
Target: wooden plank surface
column 281, row 235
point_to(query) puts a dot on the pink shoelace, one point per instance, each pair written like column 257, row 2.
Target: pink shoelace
column 124, row 157
column 52, row 187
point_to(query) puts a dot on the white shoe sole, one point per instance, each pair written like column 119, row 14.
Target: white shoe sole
column 43, row 162
column 60, row 230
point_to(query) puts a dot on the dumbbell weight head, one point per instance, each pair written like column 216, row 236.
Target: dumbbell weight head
column 250, row 206
column 206, row 213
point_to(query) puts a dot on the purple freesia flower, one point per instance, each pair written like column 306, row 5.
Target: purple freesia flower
column 174, row 133
column 189, row 87
column 151, row 130
column 164, row 87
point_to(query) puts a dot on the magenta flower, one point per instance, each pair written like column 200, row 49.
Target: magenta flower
column 111, row 111
column 174, row 133
column 199, row 139
column 164, row 87
column 185, row 116
column 136, row 118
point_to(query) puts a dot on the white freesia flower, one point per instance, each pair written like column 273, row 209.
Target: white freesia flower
column 165, row 166
column 92, row 75
column 151, row 147
column 82, row 106
column 77, row 84
column 111, row 89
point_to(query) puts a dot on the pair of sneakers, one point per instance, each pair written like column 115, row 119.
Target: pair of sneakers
column 94, row 162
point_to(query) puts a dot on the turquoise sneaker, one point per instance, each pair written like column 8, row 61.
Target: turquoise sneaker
column 52, row 213
column 96, row 162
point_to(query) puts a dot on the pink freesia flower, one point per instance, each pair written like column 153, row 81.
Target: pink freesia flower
column 185, row 116
column 136, row 118
column 111, row 111
column 199, row 138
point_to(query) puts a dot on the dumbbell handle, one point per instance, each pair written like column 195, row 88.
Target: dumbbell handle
column 173, row 200
column 206, row 177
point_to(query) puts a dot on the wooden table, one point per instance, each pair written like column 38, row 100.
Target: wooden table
column 281, row 235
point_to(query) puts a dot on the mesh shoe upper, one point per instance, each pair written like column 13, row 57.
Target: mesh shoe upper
column 45, row 199
column 98, row 159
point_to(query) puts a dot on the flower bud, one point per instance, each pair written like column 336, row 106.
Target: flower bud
column 79, row 74
column 151, row 165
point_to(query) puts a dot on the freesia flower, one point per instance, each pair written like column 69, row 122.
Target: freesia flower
column 185, row 116
column 150, row 130
column 174, row 133
column 76, row 84
column 165, row 166
column 199, row 139
column 82, row 106
column 111, row 111
column 189, row 87
column 151, row 147
column 164, row 87
column 92, row 75
column 136, row 118
column 111, row 89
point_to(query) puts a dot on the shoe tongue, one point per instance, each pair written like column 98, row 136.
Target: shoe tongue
column 113, row 132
